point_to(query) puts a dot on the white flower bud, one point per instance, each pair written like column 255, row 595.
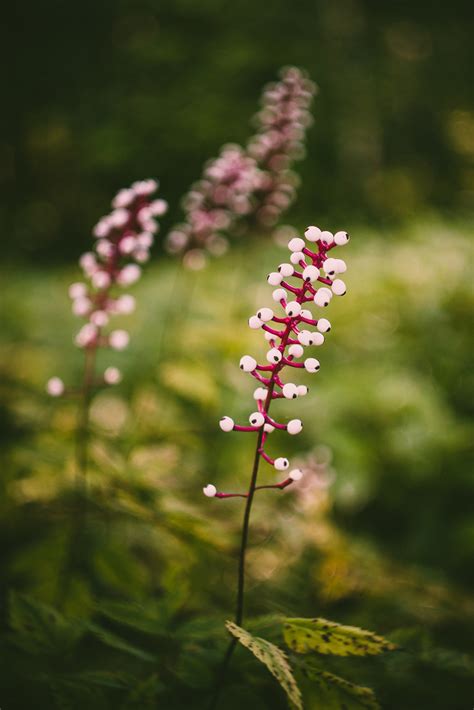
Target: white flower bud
column 338, row 287
column 294, row 426
column 327, row 237
column 274, row 278
column 104, row 248
column 247, row 363
column 302, row 390
column 81, row 306
column 286, row 270
column 260, row 394
column 323, row 297
column 311, row 364
column 281, row 463
column 290, row 391
column 323, row 325
column 274, row 356
column 265, row 314
column 101, row 280
column 312, row 234
column 102, row 228
column 119, row 217
column 296, row 474
column 296, row 257
column 123, row 198
column 293, row 309
column 86, row 335
column 125, row 304
column 127, row 244
column 112, row 376
column 209, row 490
column 257, row 419
column 311, row 273
column 296, row 244
column 55, row 387
column 77, row 290
column 99, row 318
column 119, row 339
column 226, row 423
column 129, row 275
column 295, row 350
column 279, row 294
column 341, row 238
column 255, row 322
column 145, row 240
column 158, row 207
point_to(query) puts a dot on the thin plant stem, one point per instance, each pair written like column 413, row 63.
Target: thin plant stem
column 239, row 612
column 81, row 466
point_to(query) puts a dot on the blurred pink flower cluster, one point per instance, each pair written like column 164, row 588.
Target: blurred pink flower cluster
column 253, row 184
column 279, row 141
column 123, row 241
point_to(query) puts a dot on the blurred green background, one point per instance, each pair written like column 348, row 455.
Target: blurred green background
column 381, row 532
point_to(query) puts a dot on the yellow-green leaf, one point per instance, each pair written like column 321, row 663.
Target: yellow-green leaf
column 328, row 637
column 274, row 659
column 335, row 692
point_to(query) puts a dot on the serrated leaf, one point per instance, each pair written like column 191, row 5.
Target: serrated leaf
column 273, row 658
column 114, row 641
column 329, row 637
column 335, row 692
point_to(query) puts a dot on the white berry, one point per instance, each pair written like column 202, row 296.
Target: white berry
column 293, row 309
column 296, row 350
column 257, row 419
column 296, row 244
column 323, row 325
column 311, row 364
column 247, row 363
column 281, row 463
column 290, row 391
column 274, row 355
column 226, row 424
column 311, row 273
column 339, row 287
column 209, row 490
column 265, row 314
column 294, row 426
column 312, row 234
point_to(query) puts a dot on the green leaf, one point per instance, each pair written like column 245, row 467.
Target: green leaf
column 114, row 641
column 335, row 692
column 274, row 659
column 144, row 694
column 328, row 637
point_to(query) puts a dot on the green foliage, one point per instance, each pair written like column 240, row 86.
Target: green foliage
column 273, row 658
column 334, row 692
column 328, row 637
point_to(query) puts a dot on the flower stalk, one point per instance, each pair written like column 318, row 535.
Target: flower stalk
column 314, row 279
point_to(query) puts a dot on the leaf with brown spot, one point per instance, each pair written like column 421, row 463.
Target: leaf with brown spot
column 274, row 659
column 331, row 638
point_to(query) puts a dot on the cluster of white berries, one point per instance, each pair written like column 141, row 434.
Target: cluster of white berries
column 123, row 241
column 309, row 277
